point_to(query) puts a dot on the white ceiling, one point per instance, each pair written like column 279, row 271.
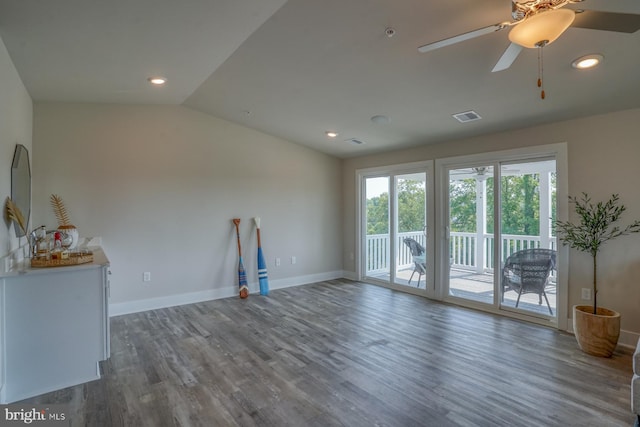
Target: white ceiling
column 297, row 68
column 103, row 51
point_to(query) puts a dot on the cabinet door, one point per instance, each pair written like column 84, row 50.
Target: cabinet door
column 106, row 329
column 54, row 330
column 2, row 346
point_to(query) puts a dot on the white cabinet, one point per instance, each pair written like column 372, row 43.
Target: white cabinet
column 56, row 327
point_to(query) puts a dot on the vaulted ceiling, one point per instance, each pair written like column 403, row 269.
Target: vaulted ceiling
column 298, row 68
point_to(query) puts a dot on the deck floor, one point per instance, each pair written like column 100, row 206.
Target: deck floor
column 479, row 287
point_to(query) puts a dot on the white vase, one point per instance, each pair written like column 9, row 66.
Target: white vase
column 71, row 231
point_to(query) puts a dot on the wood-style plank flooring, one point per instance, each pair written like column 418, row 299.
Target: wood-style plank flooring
column 343, row 353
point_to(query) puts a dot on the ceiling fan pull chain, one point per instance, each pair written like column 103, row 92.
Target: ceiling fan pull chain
column 541, row 72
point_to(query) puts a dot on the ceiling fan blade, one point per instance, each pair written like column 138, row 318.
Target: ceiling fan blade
column 508, row 57
column 608, row 21
column 460, row 38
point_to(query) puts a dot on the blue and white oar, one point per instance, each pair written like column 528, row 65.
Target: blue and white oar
column 262, row 266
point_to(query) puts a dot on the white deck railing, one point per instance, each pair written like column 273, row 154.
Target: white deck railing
column 462, row 248
column 378, row 251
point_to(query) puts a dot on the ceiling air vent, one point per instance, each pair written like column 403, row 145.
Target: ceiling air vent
column 354, row 141
column 467, row 116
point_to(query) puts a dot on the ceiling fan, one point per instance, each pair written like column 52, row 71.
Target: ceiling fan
column 483, row 172
column 537, row 23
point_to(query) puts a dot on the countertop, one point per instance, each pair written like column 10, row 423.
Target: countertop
column 24, row 267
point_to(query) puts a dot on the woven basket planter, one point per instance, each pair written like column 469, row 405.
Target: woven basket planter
column 597, row 334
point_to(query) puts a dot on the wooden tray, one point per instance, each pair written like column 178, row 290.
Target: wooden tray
column 74, row 259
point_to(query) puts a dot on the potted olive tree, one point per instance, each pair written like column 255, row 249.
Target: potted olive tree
column 596, row 328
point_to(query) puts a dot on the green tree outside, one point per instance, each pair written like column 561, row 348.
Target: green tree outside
column 378, row 214
column 520, row 198
column 411, row 205
column 411, row 209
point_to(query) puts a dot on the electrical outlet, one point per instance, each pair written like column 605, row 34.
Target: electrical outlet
column 146, row 276
column 293, row 260
column 586, row 294
column 277, row 262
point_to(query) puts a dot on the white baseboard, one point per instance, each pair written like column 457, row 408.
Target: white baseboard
column 351, row 275
column 628, row 339
column 137, row 306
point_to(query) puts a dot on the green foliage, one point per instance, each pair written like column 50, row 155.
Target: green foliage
column 596, row 227
column 520, row 200
column 411, row 205
column 521, row 205
column 462, row 205
column 378, row 214
column 411, row 209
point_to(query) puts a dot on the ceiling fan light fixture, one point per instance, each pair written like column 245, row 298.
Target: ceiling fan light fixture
column 587, row 61
column 543, row 28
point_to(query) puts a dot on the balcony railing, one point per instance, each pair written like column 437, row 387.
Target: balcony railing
column 378, row 250
column 463, row 250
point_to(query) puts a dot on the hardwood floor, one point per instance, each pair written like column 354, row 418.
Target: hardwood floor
column 343, row 353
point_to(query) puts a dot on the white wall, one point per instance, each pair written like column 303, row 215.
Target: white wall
column 160, row 185
column 604, row 156
column 15, row 128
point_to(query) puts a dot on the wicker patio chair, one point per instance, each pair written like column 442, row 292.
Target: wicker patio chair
column 528, row 271
column 417, row 250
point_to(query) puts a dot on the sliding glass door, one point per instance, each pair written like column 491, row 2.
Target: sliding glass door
column 377, row 231
column 501, row 247
column 477, row 232
column 410, row 230
column 527, row 242
column 394, row 229
column 471, row 260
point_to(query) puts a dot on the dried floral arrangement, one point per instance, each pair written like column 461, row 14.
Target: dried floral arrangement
column 13, row 213
column 60, row 211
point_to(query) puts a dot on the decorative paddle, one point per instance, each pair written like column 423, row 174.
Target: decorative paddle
column 262, row 266
column 242, row 275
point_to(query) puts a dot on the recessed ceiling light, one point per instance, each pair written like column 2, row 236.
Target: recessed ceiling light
column 587, row 61
column 331, row 134
column 157, row 81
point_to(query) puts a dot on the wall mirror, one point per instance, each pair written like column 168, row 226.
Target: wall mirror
column 21, row 184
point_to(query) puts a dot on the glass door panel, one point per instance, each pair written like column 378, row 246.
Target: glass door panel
column 377, row 241
column 471, row 250
column 528, row 243
column 410, row 230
